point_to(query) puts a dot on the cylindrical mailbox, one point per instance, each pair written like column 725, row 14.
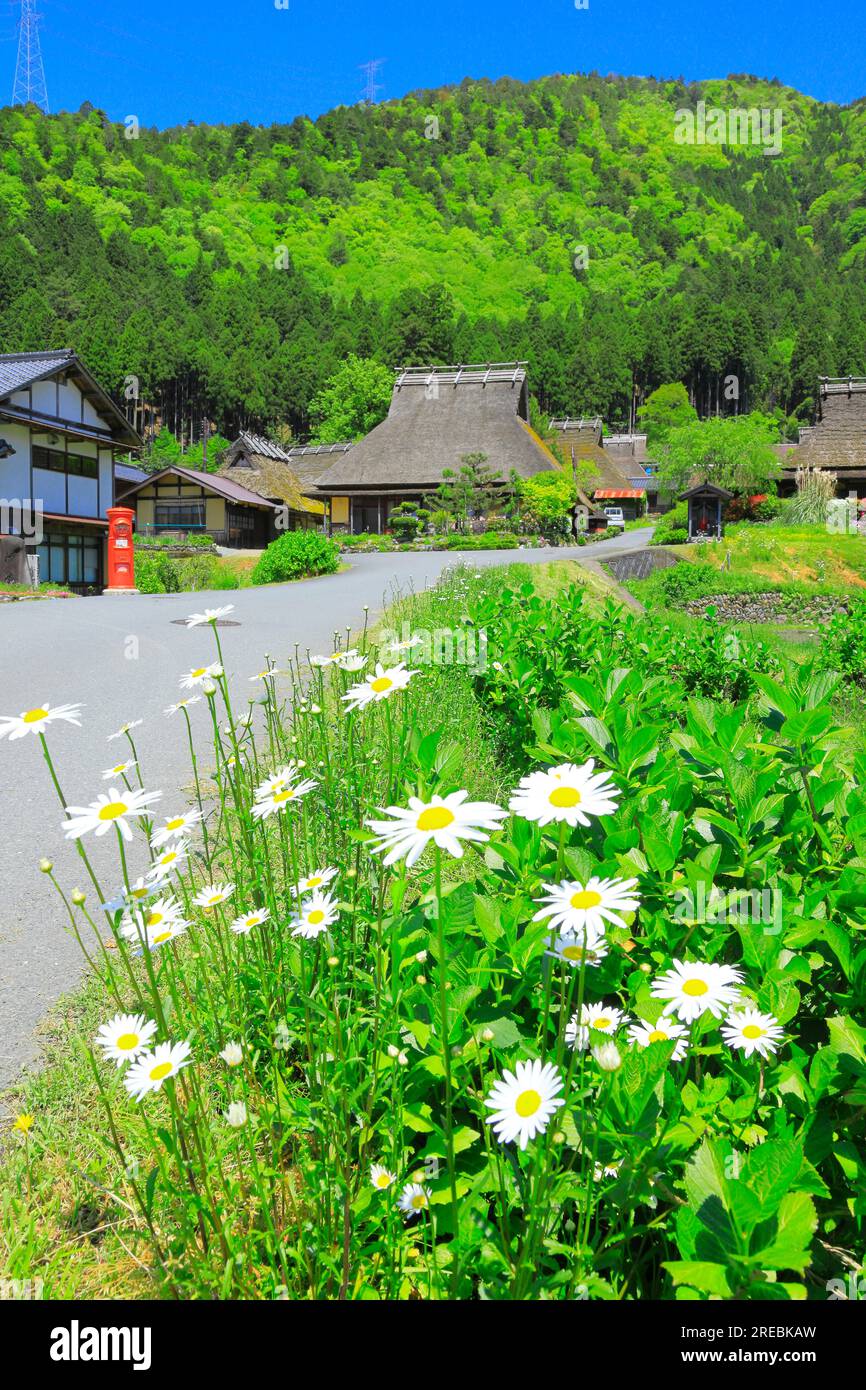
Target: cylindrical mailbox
column 121, row 557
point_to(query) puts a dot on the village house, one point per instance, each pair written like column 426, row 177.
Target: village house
column 836, row 442
column 438, row 416
column 60, row 434
column 281, row 475
column 184, row 501
column 625, row 473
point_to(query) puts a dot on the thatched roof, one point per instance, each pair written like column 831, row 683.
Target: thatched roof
column 437, row 416
column 838, row 441
column 279, row 474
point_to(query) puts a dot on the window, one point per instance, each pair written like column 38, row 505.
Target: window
column 69, row 560
column 55, row 461
column 177, row 516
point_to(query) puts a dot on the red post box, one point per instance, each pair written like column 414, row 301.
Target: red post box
column 121, row 557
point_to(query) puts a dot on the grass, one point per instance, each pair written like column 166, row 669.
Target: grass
column 808, row 555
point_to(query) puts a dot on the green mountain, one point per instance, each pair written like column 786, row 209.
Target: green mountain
column 230, row 269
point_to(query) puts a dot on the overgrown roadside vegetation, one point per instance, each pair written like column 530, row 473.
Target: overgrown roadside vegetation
column 674, row 1083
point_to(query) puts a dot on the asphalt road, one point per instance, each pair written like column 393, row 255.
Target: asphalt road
column 122, row 659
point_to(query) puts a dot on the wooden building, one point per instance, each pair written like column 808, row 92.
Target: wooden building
column 836, row 442
column 438, row 416
column 60, row 435
column 284, row 476
column 182, row 501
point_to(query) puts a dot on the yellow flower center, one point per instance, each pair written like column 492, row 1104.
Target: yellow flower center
column 214, row 899
column 381, row 684
column 284, row 795
column 695, row 987
column 159, row 1073
column 313, row 882
column 154, row 918
column 127, row 1041
column 419, row 1201
column 565, row 797
column 527, row 1103
column 113, row 811
column 200, row 671
column 383, row 1180
column 316, row 916
column 164, row 936
column 752, row 1030
column 435, row 818
column 576, row 953
column 586, row 898
column 34, row 715
column 119, row 767
column 175, row 824
column 658, row 1036
column 139, row 893
column 602, row 1023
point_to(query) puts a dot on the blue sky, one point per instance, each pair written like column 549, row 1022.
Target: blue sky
column 169, row 61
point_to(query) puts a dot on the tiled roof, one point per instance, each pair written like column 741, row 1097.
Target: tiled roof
column 19, row 369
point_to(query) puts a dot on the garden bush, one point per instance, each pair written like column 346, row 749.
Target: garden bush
column 673, row 527
column 487, row 540
column 843, row 643
column 296, row 555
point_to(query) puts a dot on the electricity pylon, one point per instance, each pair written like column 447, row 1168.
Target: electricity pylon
column 30, row 71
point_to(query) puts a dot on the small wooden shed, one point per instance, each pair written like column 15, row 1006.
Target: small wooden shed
column 706, row 505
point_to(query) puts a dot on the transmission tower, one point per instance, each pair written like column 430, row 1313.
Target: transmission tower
column 371, row 87
column 30, row 71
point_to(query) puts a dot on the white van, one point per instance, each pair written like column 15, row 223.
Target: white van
column 615, row 516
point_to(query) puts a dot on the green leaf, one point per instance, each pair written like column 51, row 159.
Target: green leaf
column 701, row 1275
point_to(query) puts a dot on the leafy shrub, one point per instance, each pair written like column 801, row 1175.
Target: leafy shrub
column 843, row 643
column 488, row 540
column 157, row 574
column 205, row 572
column 673, row 528
column 296, row 555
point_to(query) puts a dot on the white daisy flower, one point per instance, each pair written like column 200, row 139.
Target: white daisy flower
column 277, row 802
column 236, row 1115
column 154, row 921
column 200, row 675
column 444, row 820
column 606, row 1170
column 241, row 926
column 321, row 661
column 138, row 892
column 401, row 648
column 594, row 1019
column 607, row 1055
column 213, row 895
column 574, row 908
column 314, row 916
column 126, row 729
column 748, row 1031
column 378, row 686
column 351, row 661
column 175, row 827
column 108, row 811
column 125, row 1036
column 169, row 861
column 119, row 770
column 320, row 878
column 576, row 950
column 414, row 1199
column 269, row 673
column 523, row 1102
column 566, row 793
column 232, row 1054
column 183, row 704
column 664, row 1030
column 279, row 780
column 151, row 1070
column 381, row 1178
column 210, row 615
column 691, row 988
column 36, row 721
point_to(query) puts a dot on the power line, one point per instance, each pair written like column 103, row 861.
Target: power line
column 371, row 86
column 30, row 70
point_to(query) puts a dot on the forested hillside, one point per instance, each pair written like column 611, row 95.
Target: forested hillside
column 231, row 269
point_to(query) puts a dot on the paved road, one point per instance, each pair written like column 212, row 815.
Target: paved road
column 78, row 650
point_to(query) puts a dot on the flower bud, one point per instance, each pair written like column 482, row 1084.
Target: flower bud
column 45, row 866
column 79, row 898
column 608, row 1057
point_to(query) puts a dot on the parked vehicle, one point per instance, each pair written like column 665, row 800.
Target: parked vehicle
column 614, row 516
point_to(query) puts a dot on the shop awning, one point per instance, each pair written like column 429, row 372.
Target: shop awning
column 607, row 492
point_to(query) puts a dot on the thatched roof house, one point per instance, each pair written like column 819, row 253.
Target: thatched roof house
column 837, row 441
column 438, row 415
column 281, row 475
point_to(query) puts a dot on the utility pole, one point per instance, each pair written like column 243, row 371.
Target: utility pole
column 371, row 87
column 30, row 71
